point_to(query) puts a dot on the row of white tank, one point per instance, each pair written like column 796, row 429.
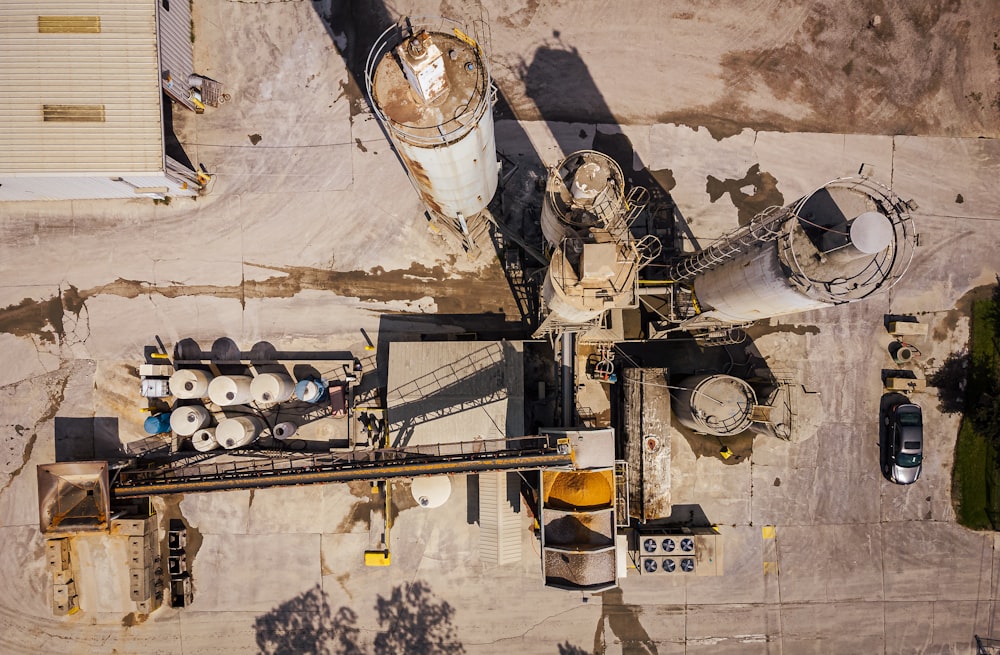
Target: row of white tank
column 233, row 432
column 230, row 390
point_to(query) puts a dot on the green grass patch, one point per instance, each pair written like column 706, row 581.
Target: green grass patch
column 976, row 475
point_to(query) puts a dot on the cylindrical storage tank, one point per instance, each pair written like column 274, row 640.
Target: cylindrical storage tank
column 204, row 440
column 720, row 405
column 284, row 430
column 841, row 243
column 190, row 383
column 587, row 189
column 310, row 391
column 431, row 491
column 228, row 390
column 157, row 424
column 238, row 431
column 431, row 89
column 187, row 420
column 751, row 287
column 272, row 388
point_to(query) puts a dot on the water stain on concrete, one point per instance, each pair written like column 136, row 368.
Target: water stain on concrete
column 43, row 318
column 466, row 294
column 765, row 192
column 360, row 514
column 946, row 322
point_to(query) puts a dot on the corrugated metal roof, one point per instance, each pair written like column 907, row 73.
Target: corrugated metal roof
column 116, row 68
column 447, row 391
column 176, row 49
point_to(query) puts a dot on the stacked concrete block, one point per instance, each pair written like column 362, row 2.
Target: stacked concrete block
column 181, row 591
column 64, row 596
column 145, row 571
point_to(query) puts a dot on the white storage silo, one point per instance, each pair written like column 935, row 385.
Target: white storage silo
column 190, row 383
column 845, row 241
column 269, row 388
column 204, row 440
column 238, row 431
column 188, row 419
column 430, row 87
column 228, row 390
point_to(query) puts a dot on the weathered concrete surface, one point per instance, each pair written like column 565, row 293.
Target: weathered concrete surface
column 315, row 233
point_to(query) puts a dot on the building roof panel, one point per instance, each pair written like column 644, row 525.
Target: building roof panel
column 117, row 68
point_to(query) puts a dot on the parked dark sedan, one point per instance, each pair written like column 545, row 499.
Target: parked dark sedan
column 905, row 435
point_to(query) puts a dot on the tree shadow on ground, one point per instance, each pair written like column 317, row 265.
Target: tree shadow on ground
column 412, row 620
column 308, row 625
column 950, row 381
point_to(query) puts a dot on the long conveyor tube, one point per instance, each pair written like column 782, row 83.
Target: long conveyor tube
column 378, row 471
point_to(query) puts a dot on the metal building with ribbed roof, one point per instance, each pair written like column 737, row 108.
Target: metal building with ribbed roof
column 81, row 99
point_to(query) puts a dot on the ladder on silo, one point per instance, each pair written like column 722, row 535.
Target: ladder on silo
column 764, row 227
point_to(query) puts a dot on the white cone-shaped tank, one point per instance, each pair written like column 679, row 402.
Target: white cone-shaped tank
column 238, row 431
column 430, row 86
column 284, row 430
column 188, row 419
column 431, row 491
column 204, row 440
column 190, row 383
column 229, row 390
column 720, row 405
column 269, row 388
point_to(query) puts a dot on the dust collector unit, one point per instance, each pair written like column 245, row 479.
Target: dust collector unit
column 585, row 220
column 430, row 87
column 845, row 241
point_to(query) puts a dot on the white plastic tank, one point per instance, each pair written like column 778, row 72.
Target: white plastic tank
column 204, row 440
column 269, row 388
column 431, row 491
column 190, row 383
column 188, row 419
column 430, row 86
column 284, row 430
column 238, row 431
column 228, row 390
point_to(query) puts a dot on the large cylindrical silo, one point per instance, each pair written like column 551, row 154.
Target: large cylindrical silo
column 430, row 86
column 839, row 244
column 594, row 260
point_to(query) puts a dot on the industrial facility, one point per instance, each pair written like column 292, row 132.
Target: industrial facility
column 600, row 489
column 630, row 390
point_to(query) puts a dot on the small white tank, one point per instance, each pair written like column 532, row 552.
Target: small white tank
column 228, row 390
column 204, row 440
column 187, row 420
column 284, row 430
column 190, row 383
column 238, row 431
column 269, row 388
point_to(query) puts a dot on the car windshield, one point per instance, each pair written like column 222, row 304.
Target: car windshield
column 909, row 417
column 908, row 461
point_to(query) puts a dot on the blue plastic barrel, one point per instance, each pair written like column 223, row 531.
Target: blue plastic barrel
column 157, row 424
